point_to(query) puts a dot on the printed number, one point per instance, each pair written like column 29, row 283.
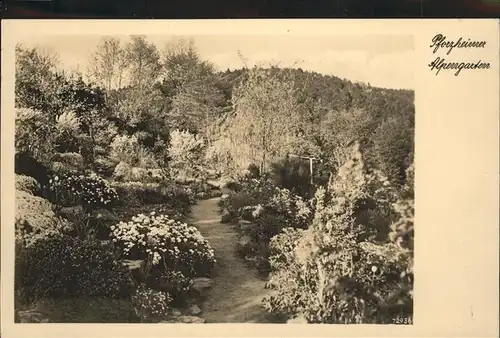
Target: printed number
column 401, row 320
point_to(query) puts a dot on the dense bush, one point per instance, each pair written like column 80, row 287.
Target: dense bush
column 26, row 165
column 68, row 163
column 136, row 193
column 128, row 149
column 270, row 209
column 333, row 273
column 67, row 132
column 149, row 303
column 105, row 166
column 170, row 244
column 34, row 134
column 185, row 152
column 174, row 251
column 27, row 184
column 62, row 266
column 90, row 191
column 35, row 219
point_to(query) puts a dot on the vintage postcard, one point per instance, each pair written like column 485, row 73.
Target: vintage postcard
column 264, row 174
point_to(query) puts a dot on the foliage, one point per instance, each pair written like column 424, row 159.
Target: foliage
column 125, row 148
column 266, row 118
column 334, row 273
column 190, row 87
column 62, row 266
column 293, row 174
column 26, row 165
column 108, row 64
column 27, row 184
column 34, row 135
column 105, row 166
column 393, row 146
column 67, row 130
column 185, row 153
column 35, row 219
column 169, row 244
column 90, row 191
column 172, row 195
column 149, row 303
column 68, row 163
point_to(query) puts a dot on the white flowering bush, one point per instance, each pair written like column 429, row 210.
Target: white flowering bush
column 89, row 191
column 169, row 245
column 185, row 151
column 149, row 303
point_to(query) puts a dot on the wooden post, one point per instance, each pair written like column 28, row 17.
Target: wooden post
column 311, row 159
column 311, row 169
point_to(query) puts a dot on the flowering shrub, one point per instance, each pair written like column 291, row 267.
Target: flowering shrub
column 270, row 208
column 185, row 152
column 62, row 266
column 332, row 272
column 149, row 303
column 168, row 244
column 89, row 191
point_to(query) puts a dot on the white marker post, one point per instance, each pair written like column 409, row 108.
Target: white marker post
column 311, row 159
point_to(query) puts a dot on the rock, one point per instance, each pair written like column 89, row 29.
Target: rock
column 226, row 217
column 31, row 316
column 244, row 245
column 245, row 227
column 194, row 310
column 185, row 320
column 213, row 184
column 297, row 320
column 105, row 215
column 133, row 264
column 176, row 312
column 244, row 241
column 201, row 284
column 71, row 212
column 211, row 172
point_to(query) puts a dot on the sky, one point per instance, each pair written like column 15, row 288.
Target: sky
column 381, row 60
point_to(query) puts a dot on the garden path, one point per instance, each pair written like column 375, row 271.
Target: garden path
column 237, row 293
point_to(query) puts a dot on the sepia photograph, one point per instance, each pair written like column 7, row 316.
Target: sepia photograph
column 250, row 178
column 214, row 179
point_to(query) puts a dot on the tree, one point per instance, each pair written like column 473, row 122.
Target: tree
column 266, row 120
column 393, row 144
column 36, row 80
column 190, row 87
column 143, row 63
column 108, row 64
